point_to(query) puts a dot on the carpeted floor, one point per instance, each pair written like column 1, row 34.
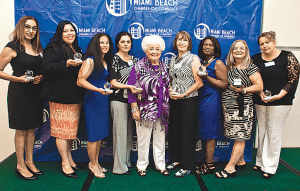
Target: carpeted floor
column 247, row 179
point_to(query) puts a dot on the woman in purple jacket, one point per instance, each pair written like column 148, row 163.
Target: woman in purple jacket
column 150, row 108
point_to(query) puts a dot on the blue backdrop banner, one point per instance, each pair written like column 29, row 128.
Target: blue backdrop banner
column 227, row 20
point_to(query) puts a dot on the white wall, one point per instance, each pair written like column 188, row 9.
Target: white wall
column 7, row 26
column 280, row 16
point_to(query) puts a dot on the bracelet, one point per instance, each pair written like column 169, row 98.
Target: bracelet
column 134, row 109
column 245, row 91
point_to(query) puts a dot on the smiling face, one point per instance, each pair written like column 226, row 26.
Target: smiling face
column 153, row 53
column 182, row 44
column 124, row 44
column 266, row 45
column 239, row 50
column 208, row 48
column 30, row 29
column 68, row 34
column 104, row 44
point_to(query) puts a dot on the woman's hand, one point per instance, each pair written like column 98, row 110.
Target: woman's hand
column 71, row 62
column 238, row 89
column 136, row 115
column 134, row 89
column 23, row 79
column 37, row 79
column 103, row 92
column 175, row 96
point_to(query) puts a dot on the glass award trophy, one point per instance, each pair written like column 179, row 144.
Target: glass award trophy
column 77, row 57
column 29, row 75
column 107, row 87
column 174, row 91
column 237, row 81
column 202, row 71
column 268, row 95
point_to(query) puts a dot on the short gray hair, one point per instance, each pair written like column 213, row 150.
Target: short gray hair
column 153, row 39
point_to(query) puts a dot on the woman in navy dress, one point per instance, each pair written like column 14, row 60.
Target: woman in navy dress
column 215, row 80
column 92, row 76
column 24, row 106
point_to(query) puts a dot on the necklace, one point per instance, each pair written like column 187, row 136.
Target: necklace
column 209, row 61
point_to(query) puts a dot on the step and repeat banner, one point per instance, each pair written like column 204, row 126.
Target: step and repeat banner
column 227, row 20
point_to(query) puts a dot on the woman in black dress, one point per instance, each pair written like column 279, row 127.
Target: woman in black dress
column 25, row 109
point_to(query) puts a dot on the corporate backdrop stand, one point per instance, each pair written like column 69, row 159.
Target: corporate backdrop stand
column 227, row 20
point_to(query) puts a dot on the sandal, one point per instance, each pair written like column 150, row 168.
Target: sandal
column 182, row 173
column 142, row 173
column 206, row 168
column 172, row 166
column 164, row 172
column 256, row 168
column 224, row 174
column 96, row 171
column 267, row 175
column 102, row 168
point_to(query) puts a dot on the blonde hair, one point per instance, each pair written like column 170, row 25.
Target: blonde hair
column 271, row 36
column 231, row 60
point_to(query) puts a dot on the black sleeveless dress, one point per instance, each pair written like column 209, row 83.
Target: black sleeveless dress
column 25, row 109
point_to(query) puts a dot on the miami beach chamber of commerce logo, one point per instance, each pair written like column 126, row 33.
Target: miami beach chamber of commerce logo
column 137, row 30
column 121, row 7
column 118, row 7
column 202, row 30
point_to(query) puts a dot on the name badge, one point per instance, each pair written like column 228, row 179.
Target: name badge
column 267, row 64
column 130, row 63
column 177, row 65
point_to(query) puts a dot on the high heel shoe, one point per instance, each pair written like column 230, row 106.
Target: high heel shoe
column 241, row 167
column 96, row 171
column 35, row 173
column 206, row 168
column 70, row 175
column 33, row 177
column 224, row 174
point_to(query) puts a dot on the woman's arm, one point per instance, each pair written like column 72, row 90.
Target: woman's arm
column 198, row 81
column 54, row 62
column 293, row 69
column 84, row 72
column 5, row 57
column 256, row 87
column 221, row 81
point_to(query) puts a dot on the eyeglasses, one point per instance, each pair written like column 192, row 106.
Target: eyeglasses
column 239, row 48
column 27, row 27
column 183, row 39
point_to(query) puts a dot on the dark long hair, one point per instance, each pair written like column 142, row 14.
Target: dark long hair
column 59, row 42
column 18, row 34
column 94, row 50
column 119, row 36
column 217, row 49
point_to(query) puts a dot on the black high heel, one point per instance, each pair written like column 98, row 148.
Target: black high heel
column 71, row 175
column 33, row 177
column 206, row 168
column 241, row 167
column 224, row 174
column 35, row 173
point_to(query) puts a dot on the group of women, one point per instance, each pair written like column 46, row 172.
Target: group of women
column 181, row 101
